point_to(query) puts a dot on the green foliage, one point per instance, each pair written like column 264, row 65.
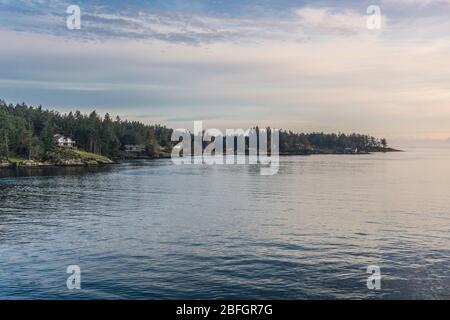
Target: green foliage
column 59, row 155
column 307, row 142
column 28, row 132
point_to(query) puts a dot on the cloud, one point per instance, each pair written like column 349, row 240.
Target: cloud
column 106, row 22
column 420, row 3
column 348, row 84
column 327, row 20
column 314, row 68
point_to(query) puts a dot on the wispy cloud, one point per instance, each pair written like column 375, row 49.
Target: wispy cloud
column 102, row 22
column 327, row 20
column 417, row 2
column 304, row 66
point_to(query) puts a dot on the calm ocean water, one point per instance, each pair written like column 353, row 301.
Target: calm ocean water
column 151, row 230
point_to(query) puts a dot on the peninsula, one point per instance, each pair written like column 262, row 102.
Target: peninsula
column 36, row 137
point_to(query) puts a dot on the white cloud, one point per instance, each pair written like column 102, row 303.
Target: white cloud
column 243, row 72
column 348, row 84
column 332, row 21
column 103, row 22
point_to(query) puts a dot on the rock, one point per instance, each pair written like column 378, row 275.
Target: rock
column 104, row 161
column 69, row 162
column 90, row 162
column 73, row 157
column 5, row 164
column 31, row 163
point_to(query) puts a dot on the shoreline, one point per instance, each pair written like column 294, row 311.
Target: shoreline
column 80, row 163
column 337, row 152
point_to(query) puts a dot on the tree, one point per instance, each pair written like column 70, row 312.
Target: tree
column 28, row 132
column 383, row 143
column 5, row 130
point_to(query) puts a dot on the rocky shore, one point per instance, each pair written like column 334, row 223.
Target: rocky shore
column 79, row 158
column 5, row 163
column 58, row 158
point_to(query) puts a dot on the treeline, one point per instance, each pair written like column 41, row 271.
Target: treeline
column 28, row 132
column 292, row 143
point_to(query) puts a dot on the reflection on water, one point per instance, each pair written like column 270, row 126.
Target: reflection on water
column 152, row 230
column 50, row 171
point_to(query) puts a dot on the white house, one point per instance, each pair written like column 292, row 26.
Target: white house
column 62, row 141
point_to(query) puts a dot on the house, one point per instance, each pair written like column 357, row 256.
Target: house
column 351, row 150
column 64, row 142
column 134, row 148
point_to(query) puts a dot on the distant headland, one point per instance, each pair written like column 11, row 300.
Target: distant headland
column 37, row 137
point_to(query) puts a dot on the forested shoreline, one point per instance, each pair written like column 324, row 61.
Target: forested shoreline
column 27, row 132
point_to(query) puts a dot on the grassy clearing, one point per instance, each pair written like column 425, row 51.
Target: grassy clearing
column 89, row 156
column 16, row 159
column 66, row 156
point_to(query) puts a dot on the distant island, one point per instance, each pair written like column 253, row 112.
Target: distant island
column 35, row 137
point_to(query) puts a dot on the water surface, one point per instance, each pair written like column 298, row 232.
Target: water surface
column 152, row 230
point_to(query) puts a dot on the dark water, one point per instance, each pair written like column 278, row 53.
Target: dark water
column 151, row 230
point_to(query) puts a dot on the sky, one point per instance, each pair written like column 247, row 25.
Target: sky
column 300, row 65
